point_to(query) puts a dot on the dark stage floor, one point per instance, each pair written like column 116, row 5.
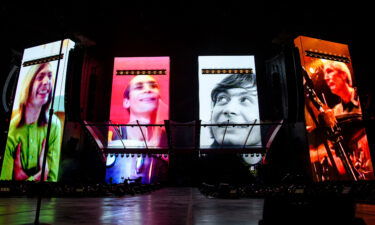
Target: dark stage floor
column 164, row 206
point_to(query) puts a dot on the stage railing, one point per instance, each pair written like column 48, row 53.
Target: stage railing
column 178, row 137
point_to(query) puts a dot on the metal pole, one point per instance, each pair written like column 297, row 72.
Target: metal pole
column 51, row 111
column 144, row 139
column 248, row 135
column 225, row 131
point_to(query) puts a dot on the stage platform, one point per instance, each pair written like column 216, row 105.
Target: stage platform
column 164, row 206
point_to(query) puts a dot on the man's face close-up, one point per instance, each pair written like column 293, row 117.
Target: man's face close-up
column 335, row 79
column 41, row 87
column 144, row 95
column 239, row 106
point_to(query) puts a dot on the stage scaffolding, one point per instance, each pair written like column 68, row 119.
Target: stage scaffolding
column 180, row 138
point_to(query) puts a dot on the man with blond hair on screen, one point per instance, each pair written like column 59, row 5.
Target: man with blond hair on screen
column 28, row 130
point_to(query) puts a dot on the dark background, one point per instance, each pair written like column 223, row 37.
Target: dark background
column 182, row 30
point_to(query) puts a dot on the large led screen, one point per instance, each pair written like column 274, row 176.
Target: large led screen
column 27, row 135
column 140, row 97
column 337, row 140
column 228, row 102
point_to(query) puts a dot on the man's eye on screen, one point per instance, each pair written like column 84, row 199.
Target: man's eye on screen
column 222, row 100
column 40, row 77
column 246, row 100
column 329, row 70
column 138, row 87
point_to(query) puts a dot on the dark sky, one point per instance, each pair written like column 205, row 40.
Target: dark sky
column 185, row 29
column 193, row 23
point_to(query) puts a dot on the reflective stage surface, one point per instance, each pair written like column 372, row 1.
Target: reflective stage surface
column 165, row 206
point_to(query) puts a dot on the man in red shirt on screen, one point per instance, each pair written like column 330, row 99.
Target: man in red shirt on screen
column 142, row 100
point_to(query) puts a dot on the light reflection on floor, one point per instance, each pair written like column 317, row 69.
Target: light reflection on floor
column 165, row 206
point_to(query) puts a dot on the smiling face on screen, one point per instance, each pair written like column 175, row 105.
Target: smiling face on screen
column 142, row 95
column 235, row 101
column 41, row 87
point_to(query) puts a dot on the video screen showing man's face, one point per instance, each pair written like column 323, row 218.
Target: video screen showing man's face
column 140, row 95
column 139, row 89
column 38, row 82
column 338, row 145
column 227, row 100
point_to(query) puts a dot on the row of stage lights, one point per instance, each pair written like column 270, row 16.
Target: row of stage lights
column 204, row 71
column 122, row 155
column 43, row 60
column 228, row 71
column 325, row 55
column 141, row 72
column 245, row 155
column 311, row 53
